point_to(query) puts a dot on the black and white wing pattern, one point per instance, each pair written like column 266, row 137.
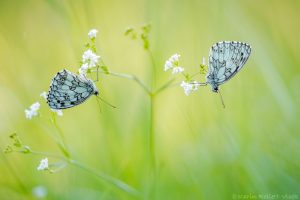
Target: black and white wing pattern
column 68, row 89
column 225, row 60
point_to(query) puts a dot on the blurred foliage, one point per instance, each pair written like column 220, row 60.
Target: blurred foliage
column 203, row 151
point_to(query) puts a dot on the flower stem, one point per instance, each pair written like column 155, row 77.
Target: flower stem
column 48, row 155
column 62, row 145
column 116, row 182
column 151, row 133
column 134, row 78
column 153, row 68
column 164, row 86
column 152, row 152
column 109, row 179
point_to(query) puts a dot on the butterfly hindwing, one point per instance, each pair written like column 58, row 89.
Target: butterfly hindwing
column 225, row 60
column 68, row 90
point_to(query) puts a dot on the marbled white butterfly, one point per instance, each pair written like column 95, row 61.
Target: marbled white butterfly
column 225, row 60
column 68, row 89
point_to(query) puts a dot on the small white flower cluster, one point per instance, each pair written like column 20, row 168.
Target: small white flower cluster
column 33, row 109
column 173, row 63
column 189, row 87
column 89, row 58
column 43, row 165
column 93, row 33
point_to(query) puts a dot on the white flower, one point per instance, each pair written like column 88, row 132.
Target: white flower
column 93, row 33
column 172, row 62
column 39, row 191
column 90, row 57
column 85, row 66
column 32, row 111
column 175, row 58
column 43, row 164
column 189, row 87
column 168, row 65
column 58, row 112
column 44, row 95
column 82, row 70
column 177, row 70
column 35, row 106
column 203, row 61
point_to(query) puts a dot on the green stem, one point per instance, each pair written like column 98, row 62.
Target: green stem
column 152, row 146
column 164, row 86
column 193, row 75
column 134, row 78
column 62, row 145
column 118, row 183
column 47, row 130
column 151, row 133
column 109, row 179
column 48, row 155
column 153, row 71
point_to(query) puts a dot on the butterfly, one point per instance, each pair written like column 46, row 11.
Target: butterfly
column 68, row 89
column 226, row 58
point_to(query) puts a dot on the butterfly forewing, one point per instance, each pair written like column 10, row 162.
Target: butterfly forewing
column 68, row 90
column 225, row 60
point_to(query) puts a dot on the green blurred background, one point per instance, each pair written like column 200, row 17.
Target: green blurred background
column 203, row 151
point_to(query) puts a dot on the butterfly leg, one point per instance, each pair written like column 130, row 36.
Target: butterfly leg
column 106, row 102
column 218, row 91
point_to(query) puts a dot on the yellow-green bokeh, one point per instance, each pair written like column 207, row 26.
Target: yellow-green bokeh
column 203, row 151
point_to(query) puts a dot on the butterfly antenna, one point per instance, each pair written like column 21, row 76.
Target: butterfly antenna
column 221, row 98
column 106, row 102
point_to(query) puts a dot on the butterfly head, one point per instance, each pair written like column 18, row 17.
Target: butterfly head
column 214, row 88
column 96, row 92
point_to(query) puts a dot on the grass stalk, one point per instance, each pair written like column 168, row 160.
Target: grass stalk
column 105, row 177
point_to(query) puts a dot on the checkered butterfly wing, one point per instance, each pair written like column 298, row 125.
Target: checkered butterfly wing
column 225, row 60
column 68, row 90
